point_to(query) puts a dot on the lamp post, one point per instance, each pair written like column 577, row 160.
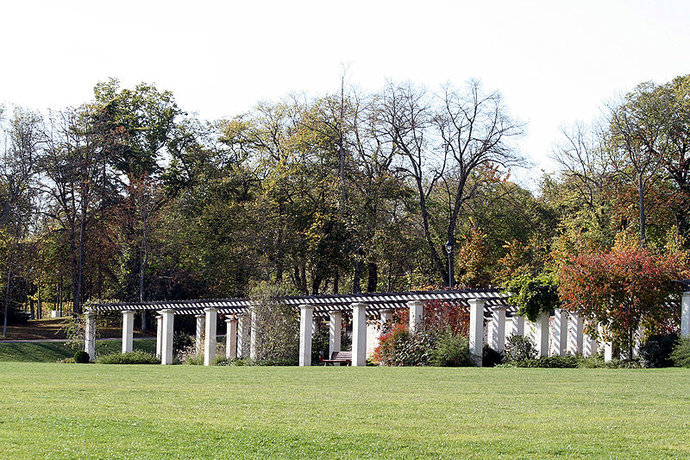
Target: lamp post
column 449, row 250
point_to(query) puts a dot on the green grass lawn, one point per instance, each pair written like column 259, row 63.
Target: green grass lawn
column 101, row 411
column 50, row 352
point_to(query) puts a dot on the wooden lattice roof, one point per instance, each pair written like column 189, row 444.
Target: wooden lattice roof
column 323, row 304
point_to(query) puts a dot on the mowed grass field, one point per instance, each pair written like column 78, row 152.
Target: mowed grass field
column 111, row 411
column 50, row 352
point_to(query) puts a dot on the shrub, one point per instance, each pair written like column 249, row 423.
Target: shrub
column 567, row 361
column 133, row 357
column 656, row 351
column 491, row 357
column 519, row 348
column 451, row 351
column 681, row 353
column 182, row 343
column 398, row 347
column 81, row 357
column 319, row 345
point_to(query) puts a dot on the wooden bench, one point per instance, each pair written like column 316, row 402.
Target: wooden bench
column 342, row 357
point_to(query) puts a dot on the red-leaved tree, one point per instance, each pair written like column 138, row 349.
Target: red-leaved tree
column 624, row 288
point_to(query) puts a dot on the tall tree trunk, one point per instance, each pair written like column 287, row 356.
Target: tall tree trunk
column 7, row 294
column 643, row 217
column 373, row 278
column 142, row 268
column 336, row 281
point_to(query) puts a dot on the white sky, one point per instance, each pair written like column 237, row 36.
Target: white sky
column 554, row 61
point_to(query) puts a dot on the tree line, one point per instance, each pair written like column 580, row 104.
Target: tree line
column 129, row 197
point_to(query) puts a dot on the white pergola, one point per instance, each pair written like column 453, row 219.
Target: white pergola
column 490, row 316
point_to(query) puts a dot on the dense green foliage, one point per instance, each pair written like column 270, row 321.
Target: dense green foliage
column 681, row 353
column 119, row 411
column 81, row 357
column 533, row 295
column 519, row 348
column 656, row 351
column 133, row 357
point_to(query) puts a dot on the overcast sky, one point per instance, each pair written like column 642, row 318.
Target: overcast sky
column 555, row 62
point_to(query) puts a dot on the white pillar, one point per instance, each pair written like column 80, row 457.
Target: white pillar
column 243, row 335
column 127, row 331
column 589, row 347
column 519, row 325
column 685, row 315
column 476, row 341
column 254, row 336
column 386, row 320
column 199, row 331
column 576, row 335
column 541, row 334
column 359, row 334
column 608, row 351
column 560, row 333
column 167, row 336
column 90, row 334
column 231, row 338
column 159, row 335
column 306, row 318
column 335, row 332
column 210, row 335
column 498, row 328
column 416, row 315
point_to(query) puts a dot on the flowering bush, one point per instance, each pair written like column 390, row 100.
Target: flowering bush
column 439, row 342
column 624, row 288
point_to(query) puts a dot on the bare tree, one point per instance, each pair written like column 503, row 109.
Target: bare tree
column 446, row 140
column 634, row 135
column 21, row 149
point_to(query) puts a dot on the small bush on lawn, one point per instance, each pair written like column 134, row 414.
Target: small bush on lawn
column 656, row 351
column 519, row 348
column 451, row 351
column 182, row 343
column 81, row 357
column 681, row 353
column 133, row 357
column 491, row 357
column 567, row 361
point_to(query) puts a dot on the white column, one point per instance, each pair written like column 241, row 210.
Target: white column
column 335, row 332
column 519, row 325
column 359, row 334
column 560, row 333
column 416, row 315
column 254, row 336
column 589, row 347
column 90, row 334
column 608, row 351
column 243, row 335
column 541, row 334
column 159, row 335
column 231, row 338
column 386, row 320
column 167, row 336
column 199, row 331
column 476, row 329
column 306, row 318
column 685, row 315
column 576, row 335
column 498, row 328
column 127, row 331
column 210, row 335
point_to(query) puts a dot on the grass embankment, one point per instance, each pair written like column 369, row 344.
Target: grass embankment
column 55, row 328
column 50, row 352
column 100, row 411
